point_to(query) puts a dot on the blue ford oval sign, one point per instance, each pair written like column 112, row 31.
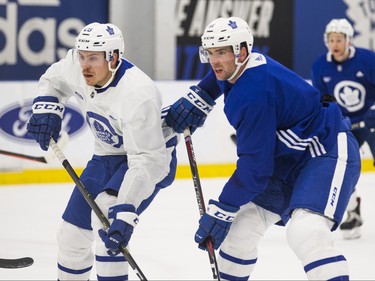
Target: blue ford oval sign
column 14, row 119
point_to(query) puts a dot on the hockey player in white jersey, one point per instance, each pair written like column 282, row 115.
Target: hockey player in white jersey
column 298, row 161
column 134, row 152
column 347, row 74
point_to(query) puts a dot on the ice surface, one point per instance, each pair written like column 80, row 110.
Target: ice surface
column 162, row 244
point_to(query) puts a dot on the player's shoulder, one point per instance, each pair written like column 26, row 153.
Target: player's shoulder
column 364, row 54
column 322, row 59
column 134, row 78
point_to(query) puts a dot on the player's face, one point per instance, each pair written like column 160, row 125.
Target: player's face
column 222, row 61
column 94, row 67
column 337, row 46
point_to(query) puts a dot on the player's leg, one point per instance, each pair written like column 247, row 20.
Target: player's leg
column 351, row 227
column 319, row 200
column 74, row 236
column 108, row 267
column 310, row 237
column 238, row 253
column 75, row 257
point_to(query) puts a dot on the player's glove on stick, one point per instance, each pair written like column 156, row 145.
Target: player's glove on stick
column 215, row 223
column 46, row 120
column 369, row 119
column 121, row 229
column 190, row 111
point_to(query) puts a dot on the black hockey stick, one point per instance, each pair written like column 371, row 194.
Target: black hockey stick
column 103, row 219
column 16, row 263
column 24, row 156
column 200, row 199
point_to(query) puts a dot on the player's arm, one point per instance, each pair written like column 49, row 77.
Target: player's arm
column 256, row 143
column 145, row 148
column 48, row 109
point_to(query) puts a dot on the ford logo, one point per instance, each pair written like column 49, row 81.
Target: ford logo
column 14, row 119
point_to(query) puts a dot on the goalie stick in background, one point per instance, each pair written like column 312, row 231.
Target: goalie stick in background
column 16, row 263
column 298, row 161
column 134, row 151
column 346, row 73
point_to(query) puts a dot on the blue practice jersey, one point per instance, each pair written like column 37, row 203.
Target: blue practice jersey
column 280, row 125
column 351, row 82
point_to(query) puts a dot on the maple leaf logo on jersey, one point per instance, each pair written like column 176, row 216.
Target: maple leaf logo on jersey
column 350, row 95
column 110, row 30
column 232, row 24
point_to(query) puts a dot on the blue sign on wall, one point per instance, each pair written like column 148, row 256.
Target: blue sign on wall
column 34, row 34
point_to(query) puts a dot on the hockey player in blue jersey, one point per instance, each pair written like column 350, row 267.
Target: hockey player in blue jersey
column 347, row 74
column 134, row 151
column 298, row 162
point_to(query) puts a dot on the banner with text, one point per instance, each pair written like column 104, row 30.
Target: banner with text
column 36, row 33
column 271, row 22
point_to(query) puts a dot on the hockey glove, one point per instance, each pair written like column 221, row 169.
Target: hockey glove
column 190, row 111
column 369, row 119
column 46, row 120
column 121, row 229
column 215, row 223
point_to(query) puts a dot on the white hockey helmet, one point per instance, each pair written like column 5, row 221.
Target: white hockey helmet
column 100, row 37
column 339, row 26
column 224, row 32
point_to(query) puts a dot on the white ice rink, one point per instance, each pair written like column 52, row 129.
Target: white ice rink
column 162, row 243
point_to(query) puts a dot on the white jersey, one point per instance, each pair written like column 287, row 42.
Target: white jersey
column 124, row 117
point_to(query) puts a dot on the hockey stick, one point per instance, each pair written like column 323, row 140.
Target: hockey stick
column 16, row 263
column 40, row 159
column 103, row 219
column 200, row 199
column 64, row 138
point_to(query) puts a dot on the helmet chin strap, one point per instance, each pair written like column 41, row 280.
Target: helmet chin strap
column 239, row 64
column 113, row 72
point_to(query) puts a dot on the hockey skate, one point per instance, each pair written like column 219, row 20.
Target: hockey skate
column 351, row 228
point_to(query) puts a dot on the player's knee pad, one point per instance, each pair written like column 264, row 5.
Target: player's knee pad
column 75, row 257
column 308, row 232
column 239, row 252
column 310, row 237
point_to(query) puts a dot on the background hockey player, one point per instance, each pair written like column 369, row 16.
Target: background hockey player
column 297, row 159
column 347, row 74
column 134, row 156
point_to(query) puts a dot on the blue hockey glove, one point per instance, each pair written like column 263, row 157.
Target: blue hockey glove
column 121, row 229
column 215, row 223
column 369, row 119
column 190, row 111
column 46, row 120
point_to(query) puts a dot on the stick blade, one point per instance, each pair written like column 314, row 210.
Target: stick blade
column 16, row 263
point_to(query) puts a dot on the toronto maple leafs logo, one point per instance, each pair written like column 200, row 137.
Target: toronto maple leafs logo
column 350, row 95
column 232, row 24
column 104, row 130
column 102, row 133
column 110, row 30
